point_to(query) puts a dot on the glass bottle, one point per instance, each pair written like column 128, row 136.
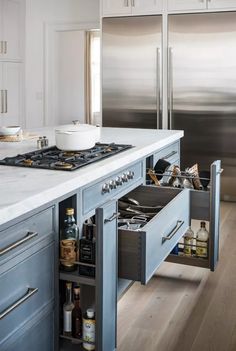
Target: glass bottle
column 68, row 243
column 67, row 311
column 202, row 241
column 77, row 319
column 89, row 329
column 188, row 242
column 87, row 250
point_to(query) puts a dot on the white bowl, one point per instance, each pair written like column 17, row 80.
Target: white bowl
column 9, row 130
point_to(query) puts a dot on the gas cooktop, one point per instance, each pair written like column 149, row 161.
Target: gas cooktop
column 55, row 159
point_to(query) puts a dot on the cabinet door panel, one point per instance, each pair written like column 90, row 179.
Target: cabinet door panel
column 12, row 93
column 116, row 7
column 221, row 4
column 143, row 7
column 175, row 5
column 12, row 29
column 106, row 277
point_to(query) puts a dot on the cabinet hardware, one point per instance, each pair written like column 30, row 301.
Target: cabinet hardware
column 126, row 3
column 169, row 155
column 30, row 292
column 29, row 236
column 158, row 87
column 112, row 218
column 1, row 47
column 133, row 3
column 2, row 102
column 173, row 232
column 5, row 47
column 170, row 87
column 5, row 101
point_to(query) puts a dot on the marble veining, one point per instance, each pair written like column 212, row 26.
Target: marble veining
column 25, row 189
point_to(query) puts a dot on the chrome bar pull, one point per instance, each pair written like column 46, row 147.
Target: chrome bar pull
column 2, row 102
column 5, row 101
column 169, row 155
column 173, row 232
column 126, row 3
column 5, row 47
column 29, row 236
column 158, row 88
column 170, row 87
column 133, row 3
column 1, row 47
column 30, row 292
column 112, row 218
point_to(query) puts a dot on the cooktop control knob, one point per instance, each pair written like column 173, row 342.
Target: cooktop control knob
column 106, row 188
column 124, row 177
column 118, row 181
column 130, row 175
column 112, row 184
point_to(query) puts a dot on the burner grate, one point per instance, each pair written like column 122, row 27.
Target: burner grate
column 55, row 159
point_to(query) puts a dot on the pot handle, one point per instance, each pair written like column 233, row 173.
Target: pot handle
column 66, row 133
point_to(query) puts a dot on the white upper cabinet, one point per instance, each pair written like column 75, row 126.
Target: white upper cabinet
column 221, row 4
column 11, row 29
column 185, row 5
column 116, row 7
column 191, row 5
column 131, row 7
column 143, row 7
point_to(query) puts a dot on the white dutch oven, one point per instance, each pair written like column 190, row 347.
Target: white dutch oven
column 77, row 137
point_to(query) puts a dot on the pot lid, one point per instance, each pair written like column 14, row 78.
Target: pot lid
column 75, row 128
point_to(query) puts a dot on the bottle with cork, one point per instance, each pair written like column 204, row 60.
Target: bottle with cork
column 69, row 242
column 202, row 241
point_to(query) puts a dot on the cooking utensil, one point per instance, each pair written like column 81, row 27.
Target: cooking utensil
column 9, row 130
column 160, row 167
column 205, row 177
column 76, row 137
column 130, row 200
column 152, row 175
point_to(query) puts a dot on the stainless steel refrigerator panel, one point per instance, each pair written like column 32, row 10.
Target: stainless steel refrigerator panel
column 202, row 90
column 131, row 78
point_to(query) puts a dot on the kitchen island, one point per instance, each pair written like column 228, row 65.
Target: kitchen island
column 32, row 210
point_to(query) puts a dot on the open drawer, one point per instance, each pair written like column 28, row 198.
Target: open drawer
column 142, row 251
column 205, row 206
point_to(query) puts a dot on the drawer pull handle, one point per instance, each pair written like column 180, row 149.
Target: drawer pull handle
column 173, row 232
column 29, row 236
column 169, row 155
column 30, row 292
column 112, row 218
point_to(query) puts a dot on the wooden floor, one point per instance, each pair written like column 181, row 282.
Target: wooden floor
column 185, row 308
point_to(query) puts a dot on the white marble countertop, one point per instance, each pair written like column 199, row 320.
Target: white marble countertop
column 25, row 189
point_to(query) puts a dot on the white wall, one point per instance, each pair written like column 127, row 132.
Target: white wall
column 39, row 13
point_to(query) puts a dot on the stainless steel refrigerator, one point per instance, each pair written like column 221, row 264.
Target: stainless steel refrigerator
column 201, row 81
column 131, row 59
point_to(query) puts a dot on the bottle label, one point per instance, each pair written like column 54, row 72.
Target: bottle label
column 89, row 333
column 67, row 319
column 201, row 249
column 187, row 246
column 68, row 251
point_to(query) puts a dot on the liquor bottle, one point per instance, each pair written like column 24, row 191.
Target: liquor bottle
column 188, row 242
column 67, row 311
column 77, row 320
column 89, row 329
column 87, row 250
column 202, row 241
column 68, row 243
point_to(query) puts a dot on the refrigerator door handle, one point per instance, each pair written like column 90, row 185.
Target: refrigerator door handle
column 158, row 87
column 170, row 87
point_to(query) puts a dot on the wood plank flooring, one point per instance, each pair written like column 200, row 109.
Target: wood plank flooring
column 185, row 308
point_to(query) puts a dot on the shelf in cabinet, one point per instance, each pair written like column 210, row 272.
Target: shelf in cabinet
column 74, row 342
column 188, row 260
column 76, row 278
